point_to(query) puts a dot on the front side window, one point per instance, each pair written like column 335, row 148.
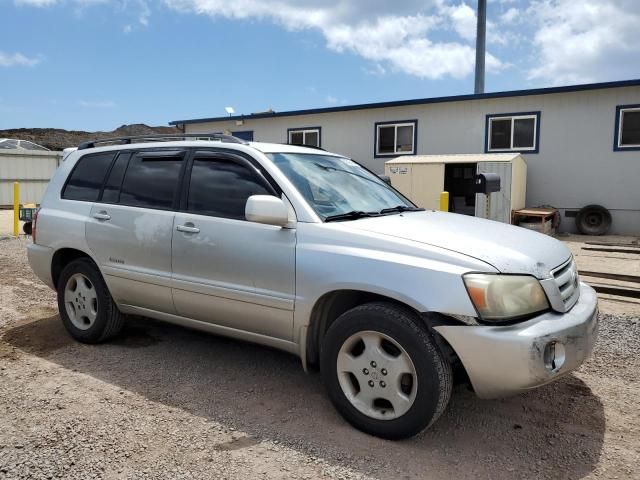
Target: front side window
column 628, row 127
column 513, row 133
column 336, row 185
column 87, row 177
column 220, row 188
column 306, row 136
column 151, row 181
column 395, row 138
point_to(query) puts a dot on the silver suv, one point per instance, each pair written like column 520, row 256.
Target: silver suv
column 309, row 252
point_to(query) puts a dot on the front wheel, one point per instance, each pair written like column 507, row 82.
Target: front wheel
column 384, row 372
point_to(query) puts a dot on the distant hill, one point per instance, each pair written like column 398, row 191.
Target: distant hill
column 58, row 139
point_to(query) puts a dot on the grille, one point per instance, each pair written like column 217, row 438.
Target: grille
column 567, row 281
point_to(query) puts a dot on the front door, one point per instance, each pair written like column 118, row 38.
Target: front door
column 131, row 226
column 226, row 270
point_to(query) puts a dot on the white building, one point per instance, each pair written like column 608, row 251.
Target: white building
column 581, row 143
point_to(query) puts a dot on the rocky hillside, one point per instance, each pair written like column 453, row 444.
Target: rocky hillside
column 58, row 139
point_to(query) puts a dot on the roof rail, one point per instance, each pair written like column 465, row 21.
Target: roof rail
column 161, row 138
column 306, row 146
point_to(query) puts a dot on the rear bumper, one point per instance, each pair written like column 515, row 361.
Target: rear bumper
column 506, row 360
column 40, row 260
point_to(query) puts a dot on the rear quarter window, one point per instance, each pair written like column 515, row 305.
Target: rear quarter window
column 87, row 177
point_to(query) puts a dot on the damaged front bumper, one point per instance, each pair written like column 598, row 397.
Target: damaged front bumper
column 506, row 360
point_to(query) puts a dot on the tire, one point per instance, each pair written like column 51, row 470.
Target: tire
column 593, row 220
column 345, row 366
column 27, row 228
column 86, row 308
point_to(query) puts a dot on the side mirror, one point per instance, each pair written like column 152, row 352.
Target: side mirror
column 266, row 209
column 385, row 178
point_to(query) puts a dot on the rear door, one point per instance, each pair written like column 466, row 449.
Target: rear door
column 131, row 225
column 226, row 270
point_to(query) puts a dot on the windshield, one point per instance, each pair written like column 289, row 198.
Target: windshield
column 339, row 187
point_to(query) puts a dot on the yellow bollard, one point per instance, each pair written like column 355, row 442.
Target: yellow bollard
column 16, row 207
column 444, row 201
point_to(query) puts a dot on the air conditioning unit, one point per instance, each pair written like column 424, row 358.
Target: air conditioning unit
column 423, row 177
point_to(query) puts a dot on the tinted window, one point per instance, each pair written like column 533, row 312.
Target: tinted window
column 386, row 139
column 111, row 192
column 221, row 188
column 630, row 128
column 405, row 138
column 311, row 138
column 523, row 132
column 86, row 178
column 151, row 182
column 501, row 133
column 296, row 138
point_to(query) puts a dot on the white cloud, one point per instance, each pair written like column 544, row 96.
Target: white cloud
column 585, row 41
column 97, row 103
column 394, row 35
column 331, row 100
column 510, row 16
column 17, row 60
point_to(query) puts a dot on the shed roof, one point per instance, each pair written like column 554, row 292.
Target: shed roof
column 456, row 158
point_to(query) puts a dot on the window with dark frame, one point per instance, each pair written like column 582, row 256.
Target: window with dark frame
column 629, row 128
column 512, row 132
column 305, row 136
column 151, row 182
column 220, row 188
column 85, row 182
column 395, row 138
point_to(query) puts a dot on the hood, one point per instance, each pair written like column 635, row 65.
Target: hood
column 508, row 248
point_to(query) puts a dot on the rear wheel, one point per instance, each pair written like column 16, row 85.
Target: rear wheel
column 384, row 372
column 87, row 310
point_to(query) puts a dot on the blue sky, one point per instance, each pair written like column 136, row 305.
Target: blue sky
column 97, row 64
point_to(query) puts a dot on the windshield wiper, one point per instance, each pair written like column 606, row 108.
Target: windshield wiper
column 352, row 215
column 401, row 208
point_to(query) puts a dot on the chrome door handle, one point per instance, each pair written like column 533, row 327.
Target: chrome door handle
column 188, row 229
column 102, row 215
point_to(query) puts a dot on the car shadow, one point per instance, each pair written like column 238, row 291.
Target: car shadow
column 555, row 431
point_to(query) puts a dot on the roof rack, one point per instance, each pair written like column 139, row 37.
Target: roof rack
column 161, row 138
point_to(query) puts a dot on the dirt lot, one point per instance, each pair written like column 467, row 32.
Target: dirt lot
column 166, row 402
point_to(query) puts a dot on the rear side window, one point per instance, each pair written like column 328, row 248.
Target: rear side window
column 221, row 188
column 87, row 177
column 111, row 192
column 151, row 181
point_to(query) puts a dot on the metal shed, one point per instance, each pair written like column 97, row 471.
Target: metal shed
column 32, row 168
column 423, row 177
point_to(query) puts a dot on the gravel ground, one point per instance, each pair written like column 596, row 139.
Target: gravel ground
column 166, row 402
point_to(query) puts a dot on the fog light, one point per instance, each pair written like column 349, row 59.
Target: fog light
column 554, row 356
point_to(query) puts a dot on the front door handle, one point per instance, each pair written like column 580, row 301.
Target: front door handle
column 102, row 215
column 188, row 228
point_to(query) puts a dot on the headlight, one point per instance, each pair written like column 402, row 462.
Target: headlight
column 500, row 298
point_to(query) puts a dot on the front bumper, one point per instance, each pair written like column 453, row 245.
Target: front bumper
column 506, row 360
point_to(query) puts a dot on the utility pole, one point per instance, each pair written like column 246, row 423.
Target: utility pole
column 481, row 34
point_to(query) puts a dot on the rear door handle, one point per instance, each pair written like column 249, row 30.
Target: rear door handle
column 188, row 228
column 102, row 215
